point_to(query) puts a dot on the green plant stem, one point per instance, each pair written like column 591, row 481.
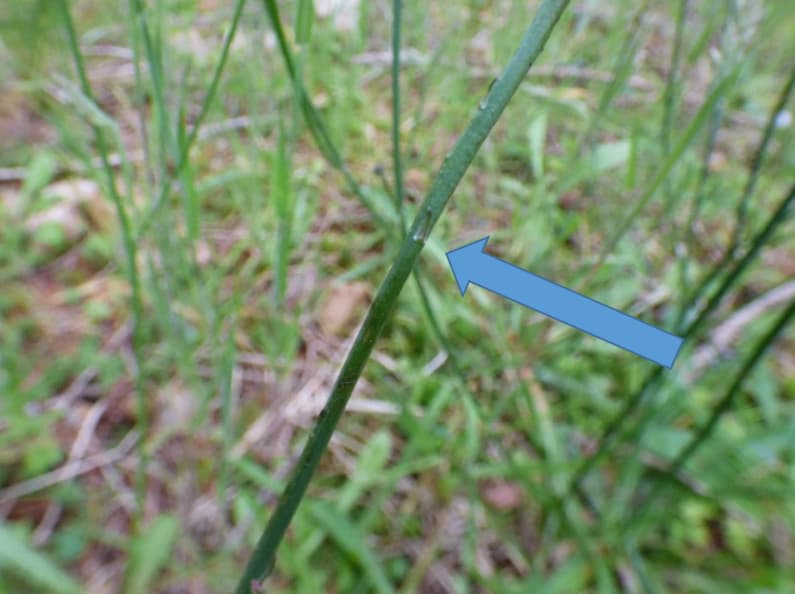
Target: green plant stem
column 672, row 159
column 672, row 79
column 397, row 161
column 333, row 156
column 184, row 150
column 689, row 333
column 622, row 68
column 154, row 58
column 725, row 404
column 448, row 178
column 130, row 251
column 748, row 191
column 399, row 191
column 778, row 217
column 311, row 116
column 140, row 102
column 688, row 234
column 759, row 159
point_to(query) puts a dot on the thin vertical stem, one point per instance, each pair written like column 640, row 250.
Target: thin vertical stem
column 184, row 150
column 725, row 404
column 672, row 80
column 333, row 156
column 689, row 332
column 311, row 116
column 448, row 178
column 130, row 251
column 759, row 158
column 155, row 60
column 397, row 161
column 731, row 252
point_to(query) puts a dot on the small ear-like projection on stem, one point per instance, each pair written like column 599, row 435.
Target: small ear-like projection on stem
column 424, row 229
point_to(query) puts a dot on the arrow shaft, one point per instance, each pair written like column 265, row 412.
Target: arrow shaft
column 578, row 311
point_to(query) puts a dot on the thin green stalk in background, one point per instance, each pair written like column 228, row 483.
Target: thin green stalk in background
column 397, row 161
column 672, row 82
column 689, row 333
column 672, row 93
column 400, row 192
column 225, row 367
column 282, row 190
column 130, row 251
column 315, row 123
column 724, row 405
column 759, row 158
column 155, row 61
column 778, row 217
column 732, row 59
column 140, row 102
column 695, row 125
column 621, row 71
column 452, row 171
column 688, row 234
column 741, row 216
column 184, row 150
column 331, row 153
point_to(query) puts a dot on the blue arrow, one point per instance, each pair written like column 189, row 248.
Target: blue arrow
column 470, row 264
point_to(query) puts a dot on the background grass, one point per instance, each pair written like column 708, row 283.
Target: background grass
column 486, row 449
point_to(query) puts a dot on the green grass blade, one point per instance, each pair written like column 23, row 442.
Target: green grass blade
column 20, row 559
column 397, row 161
column 209, row 96
column 150, row 552
column 662, row 174
column 281, row 193
column 760, row 155
column 349, row 539
column 311, row 116
column 672, row 81
column 304, row 15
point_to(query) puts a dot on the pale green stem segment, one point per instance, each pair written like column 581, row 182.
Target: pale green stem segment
column 130, row 254
column 448, row 178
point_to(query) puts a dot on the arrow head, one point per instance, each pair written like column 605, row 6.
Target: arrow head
column 464, row 262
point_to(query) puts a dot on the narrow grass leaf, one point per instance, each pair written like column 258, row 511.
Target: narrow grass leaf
column 282, row 200
column 369, row 468
column 349, row 539
column 150, row 552
column 687, row 138
column 632, row 161
column 190, row 197
column 304, row 15
column 609, row 155
column 39, row 172
column 536, row 138
column 280, row 166
column 19, row 558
